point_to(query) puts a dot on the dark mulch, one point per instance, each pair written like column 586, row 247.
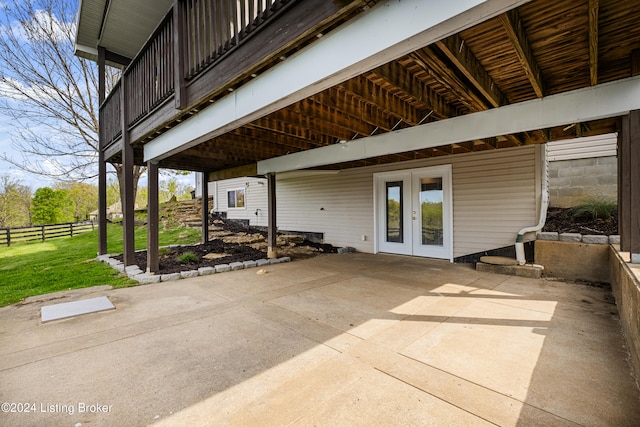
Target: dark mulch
column 561, row 220
column 169, row 263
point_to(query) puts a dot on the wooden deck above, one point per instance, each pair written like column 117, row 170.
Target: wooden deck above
column 542, row 48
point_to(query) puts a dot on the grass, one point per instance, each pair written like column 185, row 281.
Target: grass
column 37, row 268
column 187, row 257
column 594, row 209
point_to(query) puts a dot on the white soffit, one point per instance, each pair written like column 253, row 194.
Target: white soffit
column 382, row 34
column 598, row 102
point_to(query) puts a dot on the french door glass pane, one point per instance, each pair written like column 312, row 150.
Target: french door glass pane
column 431, row 211
column 394, row 212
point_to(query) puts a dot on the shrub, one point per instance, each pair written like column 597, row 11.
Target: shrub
column 594, row 209
column 187, row 257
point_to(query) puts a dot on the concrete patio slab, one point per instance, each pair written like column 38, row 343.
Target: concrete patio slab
column 350, row 339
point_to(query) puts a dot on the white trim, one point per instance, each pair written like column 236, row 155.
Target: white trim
column 409, row 178
column 592, row 103
column 357, row 46
column 244, row 192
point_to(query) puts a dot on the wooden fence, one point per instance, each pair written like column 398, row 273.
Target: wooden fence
column 43, row 232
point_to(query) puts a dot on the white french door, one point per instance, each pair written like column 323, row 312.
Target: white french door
column 413, row 212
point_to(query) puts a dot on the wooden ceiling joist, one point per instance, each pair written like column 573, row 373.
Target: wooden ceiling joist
column 408, row 83
column 594, row 6
column 518, row 37
column 462, row 57
column 381, row 99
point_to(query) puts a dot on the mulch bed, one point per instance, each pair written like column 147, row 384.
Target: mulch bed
column 168, row 259
column 561, row 220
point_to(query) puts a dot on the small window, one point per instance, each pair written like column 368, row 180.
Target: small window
column 235, row 198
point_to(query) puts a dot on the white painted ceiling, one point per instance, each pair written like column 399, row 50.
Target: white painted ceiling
column 120, row 26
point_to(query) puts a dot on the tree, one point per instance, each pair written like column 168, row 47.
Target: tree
column 15, row 200
column 84, row 197
column 50, row 206
column 50, row 94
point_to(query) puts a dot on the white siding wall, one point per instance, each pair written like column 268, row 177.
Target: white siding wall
column 495, row 194
column 255, row 199
column 583, row 148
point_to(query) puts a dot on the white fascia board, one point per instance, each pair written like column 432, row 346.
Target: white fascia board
column 386, row 32
column 85, row 51
column 597, row 102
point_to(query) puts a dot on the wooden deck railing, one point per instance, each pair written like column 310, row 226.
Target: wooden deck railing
column 215, row 27
column 209, row 30
column 149, row 78
column 110, row 128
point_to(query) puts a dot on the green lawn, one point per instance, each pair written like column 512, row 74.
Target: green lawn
column 37, row 268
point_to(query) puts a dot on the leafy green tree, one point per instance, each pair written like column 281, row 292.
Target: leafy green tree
column 15, row 200
column 50, row 206
column 84, row 197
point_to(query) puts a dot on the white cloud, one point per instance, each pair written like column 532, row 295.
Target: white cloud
column 41, row 26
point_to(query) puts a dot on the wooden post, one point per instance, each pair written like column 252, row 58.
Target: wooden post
column 634, row 197
column 8, row 237
column 43, row 233
column 272, row 238
column 128, row 226
column 153, row 263
column 205, row 207
column 629, row 185
column 102, row 164
column 70, row 229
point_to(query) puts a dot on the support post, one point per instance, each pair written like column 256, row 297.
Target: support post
column 272, row 238
column 128, row 202
column 629, row 185
column 153, row 263
column 205, row 206
column 102, row 164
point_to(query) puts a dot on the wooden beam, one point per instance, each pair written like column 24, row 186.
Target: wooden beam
column 102, row 164
column 239, row 172
column 272, row 231
column 593, row 41
column 635, row 62
column 204, row 177
column 634, row 199
column 376, row 96
column 115, row 58
column 404, row 80
column 606, row 100
column 153, row 213
column 462, row 57
column 444, row 75
column 518, row 37
column 127, row 184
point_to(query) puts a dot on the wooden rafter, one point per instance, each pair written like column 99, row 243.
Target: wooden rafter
column 444, row 75
column 402, row 79
column 594, row 6
column 462, row 57
column 518, row 37
column 351, row 106
column 381, row 99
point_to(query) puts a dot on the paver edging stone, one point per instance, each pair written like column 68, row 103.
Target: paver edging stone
column 613, row 239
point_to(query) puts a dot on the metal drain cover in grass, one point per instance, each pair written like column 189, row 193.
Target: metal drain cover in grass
column 75, row 308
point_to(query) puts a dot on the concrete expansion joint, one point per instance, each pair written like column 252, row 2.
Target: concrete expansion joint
column 134, row 272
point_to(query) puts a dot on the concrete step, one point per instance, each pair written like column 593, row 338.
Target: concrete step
column 531, row 271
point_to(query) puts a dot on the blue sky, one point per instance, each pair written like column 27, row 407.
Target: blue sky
column 7, row 132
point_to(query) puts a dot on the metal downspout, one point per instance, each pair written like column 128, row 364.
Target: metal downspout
column 520, row 257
